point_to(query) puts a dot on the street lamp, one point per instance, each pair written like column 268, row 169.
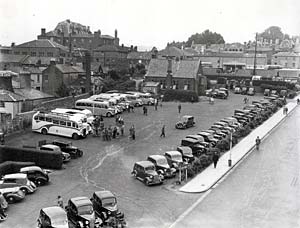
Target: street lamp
column 230, row 147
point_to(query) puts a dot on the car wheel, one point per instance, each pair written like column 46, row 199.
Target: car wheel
column 80, row 153
column 44, row 131
column 75, row 136
column 147, row 182
column 134, row 174
column 108, row 114
column 10, row 199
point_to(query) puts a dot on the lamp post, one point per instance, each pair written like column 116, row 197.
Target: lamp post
column 230, row 147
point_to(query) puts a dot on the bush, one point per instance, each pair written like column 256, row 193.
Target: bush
column 180, row 95
column 223, row 145
column 13, row 167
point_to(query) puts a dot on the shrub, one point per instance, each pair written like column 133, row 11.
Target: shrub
column 180, row 95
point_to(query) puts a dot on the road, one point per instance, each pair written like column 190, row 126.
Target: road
column 107, row 165
column 263, row 191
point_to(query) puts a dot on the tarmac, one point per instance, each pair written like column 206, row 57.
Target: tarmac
column 210, row 176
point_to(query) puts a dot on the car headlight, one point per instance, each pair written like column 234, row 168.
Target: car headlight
column 151, row 177
column 175, row 165
column 109, row 212
column 86, row 222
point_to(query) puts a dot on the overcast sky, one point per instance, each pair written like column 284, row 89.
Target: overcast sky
column 149, row 22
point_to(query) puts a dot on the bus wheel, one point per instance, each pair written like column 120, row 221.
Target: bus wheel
column 108, row 114
column 75, row 136
column 44, row 131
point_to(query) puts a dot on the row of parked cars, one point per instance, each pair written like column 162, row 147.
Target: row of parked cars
column 101, row 210
column 244, row 90
column 221, row 93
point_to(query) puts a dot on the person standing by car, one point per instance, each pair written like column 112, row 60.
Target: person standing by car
column 257, row 142
column 215, row 159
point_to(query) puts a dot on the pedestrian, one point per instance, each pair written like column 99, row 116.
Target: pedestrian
column 286, row 110
column 257, row 142
column 132, row 132
column 163, row 134
column 212, row 101
column 117, row 119
column 109, row 131
column 115, row 131
column 215, row 159
column 179, row 108
column 155, row 105
column 60, row 202
column 132, row 108
column 298, row 101
column 104, row 134
column 146, row 111
column 245, row 100
column 122, row 129
column 3, row 205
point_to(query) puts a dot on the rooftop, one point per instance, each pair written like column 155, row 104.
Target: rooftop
column 42, row 43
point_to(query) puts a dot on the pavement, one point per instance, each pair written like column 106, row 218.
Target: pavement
column 210, row 176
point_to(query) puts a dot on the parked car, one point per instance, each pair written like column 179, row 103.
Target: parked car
column 225, row 90
column 162, row 166
column 174, row 159
column 145, row 171
column 283, row 93
column 187, row 153
column 220, row 94
column 274, row 92
column 52, row 217
column 208, row 138
column 80, row 212
column 194, row 144
column 36, row 174
column 106, row 208
column 185, row 122
column 237, row 90
column 49, row 147
column 251, row 91
column 267, row 92
column 18, row 180
column 12, row 194
column 244, row 90
column 67, row 147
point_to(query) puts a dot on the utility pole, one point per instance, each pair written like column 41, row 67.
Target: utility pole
column 255, row 50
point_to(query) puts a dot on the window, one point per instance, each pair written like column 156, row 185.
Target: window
column 48, row 119
column 62, row 123
column 33, row 53
column 69, row 124
column 17, row 53
column 24, row 53
column 50, row 54
column 41, row 54
column 82, row 40
column 38, row 78
column 294, row 65
column 42, row 118
column 2, row 104
column 56, row 122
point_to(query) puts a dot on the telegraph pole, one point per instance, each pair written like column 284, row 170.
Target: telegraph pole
column 255, row 50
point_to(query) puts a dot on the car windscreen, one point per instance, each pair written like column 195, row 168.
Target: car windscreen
column 59, row 220
column 85, row 209
column 150, row 168
column 161, row 161
column 176, row 157
column 109, row 202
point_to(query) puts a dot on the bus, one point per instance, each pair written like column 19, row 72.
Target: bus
column 96, row 107
column 88, row 115
column 59, row 124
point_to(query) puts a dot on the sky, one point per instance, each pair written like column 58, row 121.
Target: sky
column 149, row 23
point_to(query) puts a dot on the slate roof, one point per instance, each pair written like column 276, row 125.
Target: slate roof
column 8, row 96
column 32, row 70
column 64, row 68
column 33, row 60
column 11, row 58
column 32, row 94
column 142, row 55
column 287, row 54
column 151, row 84
column 41, row 43
column 173, row 51
column 180, row 69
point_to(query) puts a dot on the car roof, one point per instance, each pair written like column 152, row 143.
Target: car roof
column 16, row 175
column 144, row 163
column 195, row 136
column 173, row 152
column 80, row 201
column 190, row 140
column 50, row 146
column 9, row 189
column 204, row 133
column 104, row 194
column 185, row 148
column 187, row 116
column 156, row 156
column 54, row 211
column 28, row 168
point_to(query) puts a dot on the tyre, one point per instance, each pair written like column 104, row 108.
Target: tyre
column 147, row 182
column 108, row 114
column 44, row 131
column 80, row 153
column 75, row 136
column 10, row 199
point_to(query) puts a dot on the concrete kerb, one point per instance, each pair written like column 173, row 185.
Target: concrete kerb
column 234, row 164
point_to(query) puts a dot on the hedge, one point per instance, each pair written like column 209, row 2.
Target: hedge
column 45, row 159
column 180, row 95
column 13, row 166
column 273, row 83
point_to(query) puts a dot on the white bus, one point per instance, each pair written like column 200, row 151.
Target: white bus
column 87, row 113
column 113, row 103
column 59, row 124
column 96, row 107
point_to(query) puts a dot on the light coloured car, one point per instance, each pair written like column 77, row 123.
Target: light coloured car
column 18, row 180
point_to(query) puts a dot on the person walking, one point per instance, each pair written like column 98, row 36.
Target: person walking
column 257, row 142
column 132, row 132
column 115, row 131
column 179, row 108
column 122, row 128
column 60, row 202
column 298, row 101
column 163, row 133
column 215, row 159
column 144, row 110
column 109, row 131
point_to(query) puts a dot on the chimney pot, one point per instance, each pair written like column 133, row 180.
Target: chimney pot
column 43, row 31
column 12, row 44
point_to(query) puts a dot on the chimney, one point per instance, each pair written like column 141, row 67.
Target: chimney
column 116, row 34
column 25, row 80
column 169, row 73
column 52, row 61
column 6, row 81
column 99, row 32
column 87, row 71
column 12, row 44
column 43, row 31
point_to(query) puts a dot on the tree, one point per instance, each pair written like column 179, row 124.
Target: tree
column 273, row 33
column 207, row 37
column 63, row 90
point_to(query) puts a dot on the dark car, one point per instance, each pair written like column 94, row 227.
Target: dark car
column 145, row 171
column 194, row 144
column 162, row 166
column 209, row 138
column 67, row 147
column 267, row 92
column 12, row 194
column 18, row 180
column 187, row 153
column 53, row 217
column 244, row 90
column 106, row 207
column 36, row 174
column 185, row 122
column 174, row 159
column 80, row 212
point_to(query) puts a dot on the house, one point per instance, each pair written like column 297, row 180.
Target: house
column 174, row 52
column 287, row 59
column 175, row 74
column 10, row 105
column 153, row 87
column 58, row 76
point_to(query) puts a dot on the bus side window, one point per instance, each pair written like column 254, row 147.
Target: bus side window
column 69, row 124
column 56, row 122
column 74, row 125
column 62, row 123
column 48, row 119
column 36, row 118
column 42, row 118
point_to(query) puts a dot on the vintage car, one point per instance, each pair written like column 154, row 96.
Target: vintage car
column 185, row 122
column 283, row 93
column 49, row 147
column 52, row 217
column 244, row 90
column 36, row 174
column 237, row 90
column 106, row 208
column 200, row 140
column 194, row 144
column 251, row 91
column 80, row 212
column 267, row 92
column 18, row 180
column 145, row 171
column 208, row 138
column 12, row 194
column 187, row 153
column 67, row 147
column 219, row 94
column 162, row 166
column 174, row 159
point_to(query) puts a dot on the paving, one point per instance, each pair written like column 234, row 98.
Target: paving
column 210, row 176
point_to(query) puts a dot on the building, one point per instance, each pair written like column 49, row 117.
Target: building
column 75, row 35
column 56, row 76
column 287, row 59
column 41, row 48
column 175, row 74
column 10, row 105
column 174, row 52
